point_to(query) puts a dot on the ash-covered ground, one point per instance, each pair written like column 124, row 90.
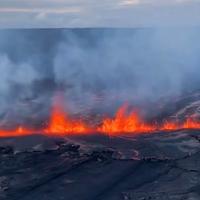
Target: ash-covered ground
column 153, row 166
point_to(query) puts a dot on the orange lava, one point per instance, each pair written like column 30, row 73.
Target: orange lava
column 19, row 131
column 123, row 122
column 60, row 123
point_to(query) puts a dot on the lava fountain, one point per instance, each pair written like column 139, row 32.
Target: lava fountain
column 123, row 122
column 60, row 122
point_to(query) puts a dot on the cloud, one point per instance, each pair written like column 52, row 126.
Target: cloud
column 129, row 2
column 91, row 13
column 39, row 10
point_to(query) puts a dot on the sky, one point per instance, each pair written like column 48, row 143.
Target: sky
column 98, row 13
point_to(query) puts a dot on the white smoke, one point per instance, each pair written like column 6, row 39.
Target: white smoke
column 135, row 66
column 99, row 69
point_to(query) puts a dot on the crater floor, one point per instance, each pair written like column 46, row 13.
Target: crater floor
column 159, row 166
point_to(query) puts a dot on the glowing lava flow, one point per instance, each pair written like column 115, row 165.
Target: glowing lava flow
column 60, row 123
column 19, row 131
column 132, row 123
column 123, row 122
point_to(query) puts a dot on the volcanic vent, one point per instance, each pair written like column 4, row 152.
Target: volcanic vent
column 125, row 121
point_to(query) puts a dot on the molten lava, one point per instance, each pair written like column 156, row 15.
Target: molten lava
column 60, row 123
column 19, row 131
column 123, row 122
column 132, row 123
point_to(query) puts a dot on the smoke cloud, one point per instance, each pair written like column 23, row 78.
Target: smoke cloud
column 97, row 69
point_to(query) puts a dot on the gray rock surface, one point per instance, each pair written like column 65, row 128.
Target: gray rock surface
column 159, row 166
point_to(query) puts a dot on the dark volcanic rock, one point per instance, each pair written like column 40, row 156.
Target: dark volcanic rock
column 148, row 167
column 6, row 150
